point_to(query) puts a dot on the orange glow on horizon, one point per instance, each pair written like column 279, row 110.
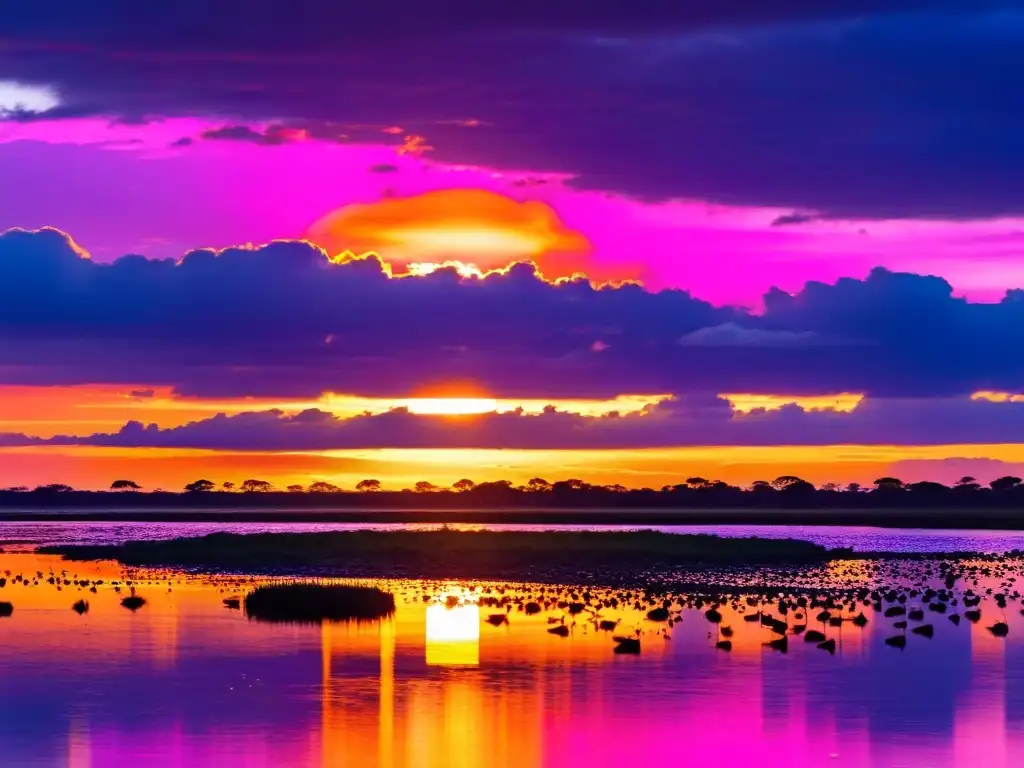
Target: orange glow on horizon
column 171, row 468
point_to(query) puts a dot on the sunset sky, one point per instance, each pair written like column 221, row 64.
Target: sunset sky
column 569, row 239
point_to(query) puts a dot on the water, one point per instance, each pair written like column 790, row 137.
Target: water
column 861, row 539
column 185, row 681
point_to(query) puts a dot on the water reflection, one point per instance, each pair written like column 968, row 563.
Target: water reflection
column 186, row 682
column 453, row 635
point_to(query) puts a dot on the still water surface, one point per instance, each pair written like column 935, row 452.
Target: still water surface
column 862, row 539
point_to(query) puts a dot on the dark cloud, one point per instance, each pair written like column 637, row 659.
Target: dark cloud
column 790, row 219
column 383, row 168
column 270, row 137
column 683, row 421
column 282, row 320
column 184, row 141
column 865, row 108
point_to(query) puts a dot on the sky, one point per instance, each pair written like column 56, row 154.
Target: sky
column 628, row 243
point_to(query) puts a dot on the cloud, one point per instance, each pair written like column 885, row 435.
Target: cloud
column 890, row 108
column 735, row 335
column 693, row 420
column 471, row 226
column 270, row 136
column 383, row 168
column 790, row 219
column 283, row 320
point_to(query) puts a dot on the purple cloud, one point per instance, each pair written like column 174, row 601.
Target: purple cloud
column 866, row 109
column 282, row 320
column 683, row 421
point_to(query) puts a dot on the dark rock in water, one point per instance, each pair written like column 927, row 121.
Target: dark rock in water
column 835, row 621
column 972, row 616
column 796, row 629
column 713, row 616
column 895, row 610
column 925, row 630
column 937, row 607
column 781, row 644
column 607, row 626
column 900, row 624
column 823, row 616
column 497, row 619
column 726, row 631
column 561, row 630
column 1000, row 629
column 814, row 636
column 314, row 603
column 6, row 609
column 860, row 620
column 81, row 607
column 658, row 614
column 532, row 608
column 752, row 617
column 233, row 603
column 955, row 618
column 972, row 600
column 575, row 608
column 724, row 645
column 916, row 615
column 627, row 644
column 133, row 602
column 897, row 641
column 828, row 645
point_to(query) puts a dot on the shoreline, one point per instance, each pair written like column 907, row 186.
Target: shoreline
column 927, row 519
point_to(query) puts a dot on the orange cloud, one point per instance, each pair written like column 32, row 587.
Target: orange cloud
column 478, row 230
column 843, row 402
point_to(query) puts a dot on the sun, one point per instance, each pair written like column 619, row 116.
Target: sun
column 475, row 230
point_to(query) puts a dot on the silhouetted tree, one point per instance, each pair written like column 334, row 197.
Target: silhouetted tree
column 322, row 487
column 463, row 485
column 1006, row 483
column 228, row 486
column 125, row 485
column 256, row 486
column 296, row 488
column 761, row 486
column 53, row 488
column 888, row 484
column 853, row 487
column 968, row 483
column 368, row 486
column 538, row 485
column 783, row 482
column 425, row 486
column 830, row 487
column 697, row 482
column 926, row 486
column 199, row 486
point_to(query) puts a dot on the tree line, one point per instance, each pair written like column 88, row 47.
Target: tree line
column 783, row 490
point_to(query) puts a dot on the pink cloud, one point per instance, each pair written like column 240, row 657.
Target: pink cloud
column 124, row 188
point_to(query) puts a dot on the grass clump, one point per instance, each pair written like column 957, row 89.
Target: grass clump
column 315, row 603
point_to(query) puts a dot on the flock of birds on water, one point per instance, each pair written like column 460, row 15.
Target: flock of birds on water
column 915, row 606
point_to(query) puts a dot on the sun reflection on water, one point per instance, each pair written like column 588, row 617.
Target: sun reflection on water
column 453, row 635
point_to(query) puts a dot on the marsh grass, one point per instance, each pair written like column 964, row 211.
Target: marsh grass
column 312, row 602
column 454, row 553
